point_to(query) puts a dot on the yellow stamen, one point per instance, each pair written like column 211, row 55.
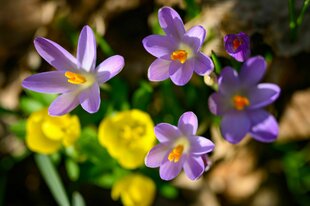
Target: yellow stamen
column 236, row 43
column 240, row 102
column 75, row 78
column 180, row 55
column 176, row 153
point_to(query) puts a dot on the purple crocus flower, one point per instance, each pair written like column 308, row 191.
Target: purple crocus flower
column 179, row 148
column 240, row 99
column 178, row 52
column 238, row 46
column 76, row 78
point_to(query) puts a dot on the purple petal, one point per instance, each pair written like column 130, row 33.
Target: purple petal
column 188, row 123
column 203, row 64
column 90, row 98
column 228, row 81
column 195, row 36
column 242, row 52
column 156, row 156
column 166, row 132
column 109, row 68
column 169, row 170
column 263, row 94
column 183, row 73
column 234, row 126
column 171, row 22
column 264, row 126
column 64, row 104
column 49, row 82
column 159, row 70
column 194, row 167
column 159, row 46
column 242, row 55
column 200, row 145
column 54, row 54
column 219, row 104
column 86, row 52
column 252, row 71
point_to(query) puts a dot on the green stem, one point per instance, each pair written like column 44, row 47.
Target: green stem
column 303, row 11
column 293, row 26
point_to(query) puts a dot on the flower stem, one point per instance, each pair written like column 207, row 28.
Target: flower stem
column 302, row 13
column 293, row 25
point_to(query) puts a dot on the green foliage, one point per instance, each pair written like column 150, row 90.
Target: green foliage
column 77, row 199
column 52, row 179
column 142, row 96
column 168, row 191
column 19, row 128
column 192, row 9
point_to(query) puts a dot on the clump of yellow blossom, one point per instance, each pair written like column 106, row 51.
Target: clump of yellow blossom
column 46, row 134
column 134, row 190
column 128, row 136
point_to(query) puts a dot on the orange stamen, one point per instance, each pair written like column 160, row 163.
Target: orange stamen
column 75, row 78
column 240, row 102
column 236, row 43
column 176, row 153
column 180, row 55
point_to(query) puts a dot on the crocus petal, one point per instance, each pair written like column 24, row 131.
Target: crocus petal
column 109, row 68
column 166, row 132
column 243, row 51
column 203, row 64
column 194, row 167
column 264, row 126
column 200, row 145
column 252, row 71
column 158, row 45
column 219, row 104
column 90, row 98
column 159, row 70
column 156, row 155
column 183, row 74
column 263, row 94
column 228, row 81
column 234, row 126
column 86, row 52
column 188, row 123
column 195, row 37
column 49, row 82
column 54, row 54
column 64, row 104
column 169, row 170
column 171, row 22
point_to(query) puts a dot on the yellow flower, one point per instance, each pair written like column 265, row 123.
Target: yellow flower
column 128, row 136
column 46, row 134
column 134, row 190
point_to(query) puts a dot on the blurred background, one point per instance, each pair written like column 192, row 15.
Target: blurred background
column 247, row 174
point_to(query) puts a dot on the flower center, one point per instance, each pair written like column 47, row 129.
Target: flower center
column 236, row 43
column 180, row 55
column 176, row 153
column 240, row 102
column 132, row 132
column 75, row 78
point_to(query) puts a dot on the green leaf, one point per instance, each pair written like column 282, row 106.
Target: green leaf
column 169, row 191
column 19, row 128
column 104, row 45
column 192, row 8
column 28, row 105
column 217, row 64
column 73, row 169
column 77, row 199
column 45, row 99
column 142, row 96
column 52, row 179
